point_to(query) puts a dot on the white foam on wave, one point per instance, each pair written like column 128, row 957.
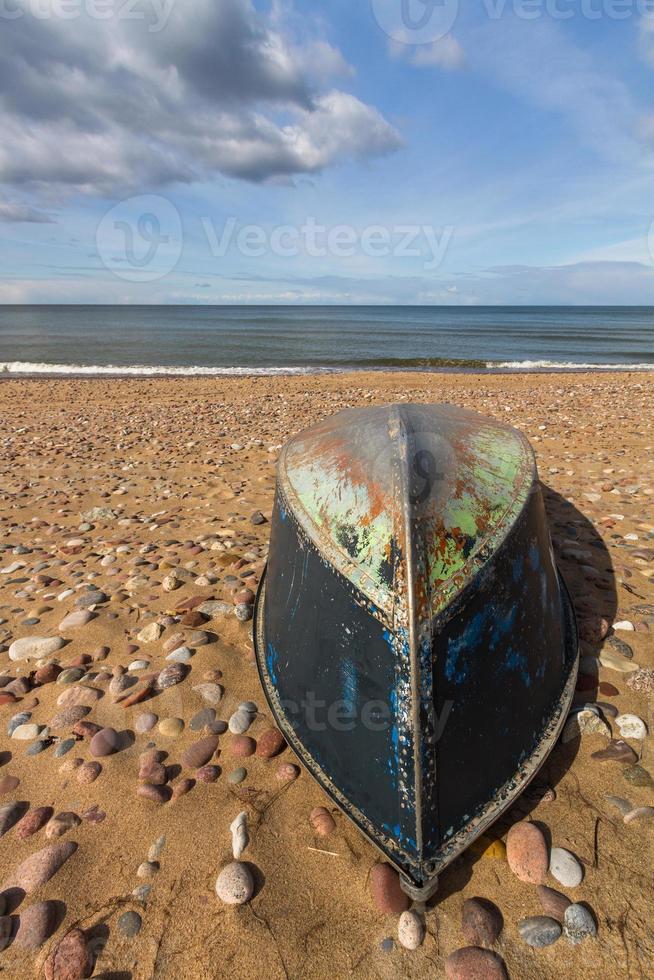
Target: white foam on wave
column 148, row 370
column 565, row 366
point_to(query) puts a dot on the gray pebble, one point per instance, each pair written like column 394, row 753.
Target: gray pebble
column 130, row 924
column 155, row 850
column 203, row 718
column 240, row 722
column 539, row 931
column 243, row 612
column 235, row 884
column 63, row 747
column 565, row 867
column 578, row 924
column 180, row 656
column 237, row 776
column 16, row 720
column 70, row 675
column 37, row 747
column 142, row 892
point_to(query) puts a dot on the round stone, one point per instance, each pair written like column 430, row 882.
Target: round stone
column 473, row 963
column 70, row 959
column 129, row 924
column 242, row 746
column 526, row 853
column 578, row 924
column 565, row 867
column 270, row 744
column 553, row 902
column 237, row 776
column 481, row 922
column 386, row 890
column 235, row 885
column 631, row 726
column 145, row 723
column 410, row 930
column 539, row 931
column 171, row 727
column 35, row 925
column 239, row 722
column 104, row 742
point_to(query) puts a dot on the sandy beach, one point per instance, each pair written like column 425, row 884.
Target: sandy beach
column 149, row 492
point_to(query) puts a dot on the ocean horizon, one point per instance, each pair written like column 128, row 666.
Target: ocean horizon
column 268, row 340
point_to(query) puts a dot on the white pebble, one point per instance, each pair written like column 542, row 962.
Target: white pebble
column 235, row 884
column 623, row 625
column 631, row 726
column 410, row 930
column 239, row 831
column 565, row 867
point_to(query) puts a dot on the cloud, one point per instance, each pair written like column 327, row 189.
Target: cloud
column 104, row 106
column 12, row 212
column 446, row 53
column 646, row 37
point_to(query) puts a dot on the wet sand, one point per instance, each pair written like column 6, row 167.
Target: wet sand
column 178, row 468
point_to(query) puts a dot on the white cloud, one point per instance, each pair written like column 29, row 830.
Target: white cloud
column 445, row 53
column 646, row 38
column 105, row 106
column 21, row 213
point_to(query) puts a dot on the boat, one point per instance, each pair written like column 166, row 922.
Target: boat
column 415, row 641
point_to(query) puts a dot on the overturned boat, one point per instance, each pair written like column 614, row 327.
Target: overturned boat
column 415, row 641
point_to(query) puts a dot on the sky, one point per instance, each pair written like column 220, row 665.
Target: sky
column 378, row 151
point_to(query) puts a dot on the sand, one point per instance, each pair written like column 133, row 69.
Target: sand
column 183, row 464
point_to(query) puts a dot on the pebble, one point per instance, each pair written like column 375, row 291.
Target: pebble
column 640, row 813
column 526, row 853
column 182, row 787
column 37, row 747
column 40, row 867
column 142, row 892
column 47, row 674
column 138, row 665
column 239, row 722
column 88, row 772
column 620, row 804
column 642, row 680
column 386, row 890
column 63, row 747
column 481, row 922
column 322, row 822
column 242, row 746
column 10, row 813
column 130, row 924
column 180, row 656
column 171, row 727
column 202, row 719
column 33, row 821
column 270, row 744
column 26, row 733
column 156, row 848
column 6, row 930
column 243, row 612
column 614, row 661
column 235, row 885
column 200, row 752
column 631, row 726
column 473, row 963
column 69, row 716
column 156, row 794
column 149, row 633
column 616, row 751
column 60, row 824
column 71, row 958
column 539, row 931
column 170, row 676
column 585, row 722
column 237, row 776
column 17, row 720
column 211, row 693
column 565, row 867
column 553, row 902
column 207, row 774
column 76, row 619
column 578, row 924
column 8, row 784
column 148, row 869
column 639, row 776
column 35, row 647
column 70, row 676
column 287, row 772
column 36, row 924
column 145, row 723
column 79, row 695
column 410, row 930
column 104, row 742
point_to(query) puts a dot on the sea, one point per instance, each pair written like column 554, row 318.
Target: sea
column 247, row 340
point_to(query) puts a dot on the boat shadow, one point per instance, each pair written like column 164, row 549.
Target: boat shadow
column 587, row 569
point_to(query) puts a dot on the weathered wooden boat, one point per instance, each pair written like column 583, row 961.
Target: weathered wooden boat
column 415, row 641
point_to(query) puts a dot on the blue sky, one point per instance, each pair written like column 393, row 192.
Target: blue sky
column 223, row 151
